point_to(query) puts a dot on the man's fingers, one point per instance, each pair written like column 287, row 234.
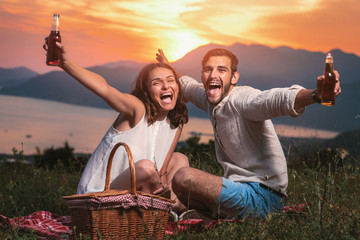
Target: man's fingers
column 337, row 75
column 337, row 88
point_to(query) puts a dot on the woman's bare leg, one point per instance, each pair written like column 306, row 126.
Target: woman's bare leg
column 147, row 178
column 177, row 162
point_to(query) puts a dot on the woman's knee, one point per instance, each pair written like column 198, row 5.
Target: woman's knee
column 145, row 169
column 178, row 160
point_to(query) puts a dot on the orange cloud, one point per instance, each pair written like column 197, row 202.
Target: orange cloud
column 332, row 24
column 95, row 32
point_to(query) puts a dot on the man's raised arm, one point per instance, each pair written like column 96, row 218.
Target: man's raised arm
column 306, row 97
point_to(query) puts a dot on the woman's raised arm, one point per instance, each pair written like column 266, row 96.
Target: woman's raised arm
column 123, row 103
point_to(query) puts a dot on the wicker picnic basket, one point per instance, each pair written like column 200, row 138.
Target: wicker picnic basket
column 119, row 214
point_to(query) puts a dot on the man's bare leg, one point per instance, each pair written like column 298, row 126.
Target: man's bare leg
column 195, row 188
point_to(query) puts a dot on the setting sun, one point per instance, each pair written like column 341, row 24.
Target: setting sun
column 96, row 33
column 181, row 43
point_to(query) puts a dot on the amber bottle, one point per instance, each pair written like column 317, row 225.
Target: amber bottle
column 327, row 94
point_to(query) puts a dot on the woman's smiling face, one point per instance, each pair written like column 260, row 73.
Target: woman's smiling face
column 163, row 90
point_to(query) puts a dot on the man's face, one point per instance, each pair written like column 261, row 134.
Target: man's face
column 217, row 78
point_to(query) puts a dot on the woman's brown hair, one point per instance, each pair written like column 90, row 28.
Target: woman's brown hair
column 178, row 115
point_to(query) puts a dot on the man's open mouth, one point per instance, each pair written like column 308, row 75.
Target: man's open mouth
column 214, row 88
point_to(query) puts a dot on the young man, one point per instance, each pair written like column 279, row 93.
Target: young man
column 246, row 144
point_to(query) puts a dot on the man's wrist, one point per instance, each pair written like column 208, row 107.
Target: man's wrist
column 315, row 96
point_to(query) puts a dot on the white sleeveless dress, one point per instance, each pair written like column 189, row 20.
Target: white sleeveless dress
column 146, row 142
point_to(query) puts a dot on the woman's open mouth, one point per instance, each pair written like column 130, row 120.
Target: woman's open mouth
column 166, row 97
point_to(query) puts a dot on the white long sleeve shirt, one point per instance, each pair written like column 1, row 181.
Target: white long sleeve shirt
column 246, row 144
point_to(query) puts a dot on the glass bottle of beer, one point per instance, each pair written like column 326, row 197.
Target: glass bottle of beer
column 53, row 52
column 327, row 94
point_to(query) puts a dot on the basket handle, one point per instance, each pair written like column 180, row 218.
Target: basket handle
column 131, row 165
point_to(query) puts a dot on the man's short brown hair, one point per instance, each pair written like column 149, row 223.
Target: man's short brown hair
column 222, row 52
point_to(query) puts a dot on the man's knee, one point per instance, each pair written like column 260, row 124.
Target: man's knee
column 182, row 179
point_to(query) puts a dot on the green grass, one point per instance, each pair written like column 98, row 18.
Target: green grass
column 330, row 186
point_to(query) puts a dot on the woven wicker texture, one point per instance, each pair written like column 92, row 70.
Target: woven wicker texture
column 118, row 220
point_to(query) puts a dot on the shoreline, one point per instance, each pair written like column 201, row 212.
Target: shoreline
column 28, row 124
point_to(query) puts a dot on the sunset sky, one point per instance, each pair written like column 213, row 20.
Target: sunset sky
column 96, row 32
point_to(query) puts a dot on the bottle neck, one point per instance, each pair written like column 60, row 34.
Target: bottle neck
column 55, row 24
column 329, row 65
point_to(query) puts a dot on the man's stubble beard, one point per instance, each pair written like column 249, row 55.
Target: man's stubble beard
column 224, row 92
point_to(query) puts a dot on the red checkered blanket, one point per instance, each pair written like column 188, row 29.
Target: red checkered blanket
column 51, row 226
column 46, row 225
column 200, row 225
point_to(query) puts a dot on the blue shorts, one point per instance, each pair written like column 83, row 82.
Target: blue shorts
column 241, row 200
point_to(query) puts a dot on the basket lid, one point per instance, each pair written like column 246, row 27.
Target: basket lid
column 113, row 192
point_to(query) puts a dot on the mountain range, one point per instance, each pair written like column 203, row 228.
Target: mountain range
column 14, row 77
column 260, row 66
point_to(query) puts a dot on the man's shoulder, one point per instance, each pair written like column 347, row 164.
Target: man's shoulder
column 187, row 79
column 241, row 95
column 244, row 87
column 239, row 91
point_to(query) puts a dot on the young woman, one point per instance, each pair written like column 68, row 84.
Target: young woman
column 150, row 122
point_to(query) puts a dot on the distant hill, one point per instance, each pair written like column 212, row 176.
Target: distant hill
column 14, row 77
column 349, row 140
column 259, row 66
column 301, row 148
column 124, row 63
column 59, row 86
